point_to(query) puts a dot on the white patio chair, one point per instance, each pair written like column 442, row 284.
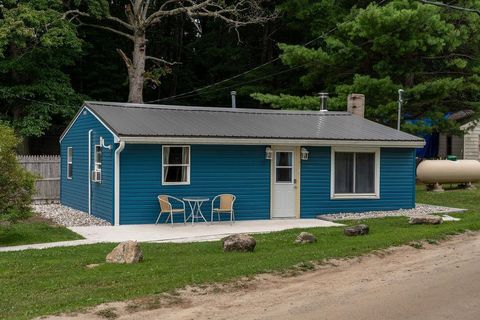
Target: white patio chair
column 166, row 207
column 226, row 206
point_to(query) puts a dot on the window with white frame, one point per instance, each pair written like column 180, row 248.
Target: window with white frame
column 355, row 174
column 98, row 158
column 69, row 163
column 284, row 167
column 176, row 165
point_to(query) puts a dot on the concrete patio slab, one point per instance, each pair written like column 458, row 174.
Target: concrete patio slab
column 178, row 233
column 192, row 233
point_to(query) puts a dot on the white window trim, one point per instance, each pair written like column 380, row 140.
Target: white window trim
column 164, row 183
column 339, row 196
column 69, row 162
column 97, row 164
column 292, row 167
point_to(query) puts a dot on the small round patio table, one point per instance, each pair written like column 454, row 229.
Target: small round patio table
column 195, row 204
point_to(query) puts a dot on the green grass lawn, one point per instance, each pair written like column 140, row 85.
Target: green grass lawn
column 42, row 282
column 34, row 231
column 458, row 198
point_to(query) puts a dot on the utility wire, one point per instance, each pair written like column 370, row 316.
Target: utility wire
column 38, row 101
column 195, row 91
column 254, row 80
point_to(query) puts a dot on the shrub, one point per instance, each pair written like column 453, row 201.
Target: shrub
column 17, row 186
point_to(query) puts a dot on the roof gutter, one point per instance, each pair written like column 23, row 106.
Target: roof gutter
column 266, row 141
column 116, row 218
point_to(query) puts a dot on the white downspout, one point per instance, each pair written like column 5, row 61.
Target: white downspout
column 89, row 171
column 116, row 218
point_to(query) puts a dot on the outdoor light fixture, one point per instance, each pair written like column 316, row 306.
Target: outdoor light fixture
column 268, row 153
column 304, row 154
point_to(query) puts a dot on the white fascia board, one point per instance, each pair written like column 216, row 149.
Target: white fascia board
column 291, row 142
column 80, row 112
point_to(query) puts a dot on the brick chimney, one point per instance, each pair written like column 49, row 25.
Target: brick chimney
column 356, row 104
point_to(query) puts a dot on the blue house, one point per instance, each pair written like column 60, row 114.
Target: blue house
column 118, row 157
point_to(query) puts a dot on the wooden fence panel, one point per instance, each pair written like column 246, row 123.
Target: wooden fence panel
column 47, row 168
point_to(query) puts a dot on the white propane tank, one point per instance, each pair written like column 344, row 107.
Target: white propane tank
column 448, row 171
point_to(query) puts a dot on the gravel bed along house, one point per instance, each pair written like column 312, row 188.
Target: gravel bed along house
column 67, row 216
column 420, row 209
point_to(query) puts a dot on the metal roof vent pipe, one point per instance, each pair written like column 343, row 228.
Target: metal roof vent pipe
column 234, row 99
column 356, row 104
column 323, row 101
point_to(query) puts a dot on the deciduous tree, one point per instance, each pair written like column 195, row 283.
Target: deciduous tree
column 16, row 184
column 141, row 15
column 36, row 45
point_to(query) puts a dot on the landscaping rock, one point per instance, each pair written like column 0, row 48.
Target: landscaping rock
column 126, row 252
column 429, row 219
column 66, row 216
column 358, row 230
column 305, row 237
column 239, row 242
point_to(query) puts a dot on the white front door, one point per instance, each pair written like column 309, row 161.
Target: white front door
column 284, row 183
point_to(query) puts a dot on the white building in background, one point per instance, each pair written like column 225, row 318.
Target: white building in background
column 464, row 147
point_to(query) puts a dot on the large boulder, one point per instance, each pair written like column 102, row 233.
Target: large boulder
column 427, row 219
column 358, row 230
column 126, row 252
column 239, row 242
column 305, row 237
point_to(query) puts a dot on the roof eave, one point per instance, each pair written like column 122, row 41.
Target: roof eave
column 270, row 141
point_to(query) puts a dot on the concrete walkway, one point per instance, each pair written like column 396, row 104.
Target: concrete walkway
column 178, row 233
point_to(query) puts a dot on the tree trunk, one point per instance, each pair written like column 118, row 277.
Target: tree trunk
column 136, row 69
column 24, row 146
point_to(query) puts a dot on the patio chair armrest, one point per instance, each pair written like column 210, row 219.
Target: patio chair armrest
column 179, row 200
column 215, row 198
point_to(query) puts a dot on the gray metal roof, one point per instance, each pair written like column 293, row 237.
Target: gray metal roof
column 143, row 120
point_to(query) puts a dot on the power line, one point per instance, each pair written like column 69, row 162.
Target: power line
column 249, row 81
column 195, row 91
column 38, row 101
column 189, row 93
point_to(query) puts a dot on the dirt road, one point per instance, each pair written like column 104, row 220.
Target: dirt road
column 438, row 282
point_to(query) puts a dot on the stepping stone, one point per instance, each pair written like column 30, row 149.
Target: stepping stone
column 446, row 217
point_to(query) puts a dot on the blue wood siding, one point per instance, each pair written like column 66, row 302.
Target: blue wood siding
column 74, row 192
column 397, row 183
column 240, row 170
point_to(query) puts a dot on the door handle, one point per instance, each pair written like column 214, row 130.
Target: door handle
column 294, row 181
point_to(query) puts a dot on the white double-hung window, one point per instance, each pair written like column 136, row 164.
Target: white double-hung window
column 97, row 164
column 98, row 158
column 175, row 165
column 69, row 163
column 355, row 173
